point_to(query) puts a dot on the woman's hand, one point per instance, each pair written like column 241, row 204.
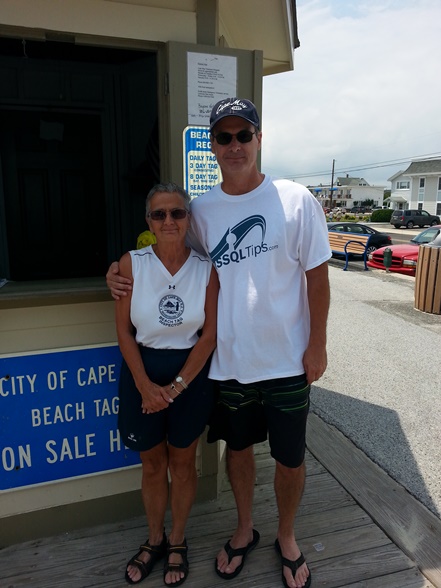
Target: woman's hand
column 157, row 398
column 154, row 397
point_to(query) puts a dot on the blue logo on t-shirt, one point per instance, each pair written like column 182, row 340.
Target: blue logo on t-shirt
column 228, row 249
column 171, row 308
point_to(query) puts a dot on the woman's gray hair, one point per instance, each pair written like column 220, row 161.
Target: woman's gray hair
column 170, row 188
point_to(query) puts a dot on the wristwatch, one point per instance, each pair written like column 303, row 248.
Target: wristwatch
column 180, row 380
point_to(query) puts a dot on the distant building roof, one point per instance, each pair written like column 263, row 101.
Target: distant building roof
column 428, row 166
column 347, row 181
column 395, row 176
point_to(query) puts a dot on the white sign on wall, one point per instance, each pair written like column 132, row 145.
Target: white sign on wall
column 210, row 78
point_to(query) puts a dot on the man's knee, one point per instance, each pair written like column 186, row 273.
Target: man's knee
column 291, row 472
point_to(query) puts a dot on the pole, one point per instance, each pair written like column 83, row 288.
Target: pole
column 332, row 183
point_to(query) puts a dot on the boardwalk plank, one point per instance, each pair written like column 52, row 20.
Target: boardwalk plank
column 410, row 524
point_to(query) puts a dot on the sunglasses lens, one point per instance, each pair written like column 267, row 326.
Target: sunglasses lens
column 158, row 215
column 244, row 136
column 224, row 138
column 178, row 213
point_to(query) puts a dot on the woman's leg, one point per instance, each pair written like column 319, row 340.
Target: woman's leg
column 154, row 496
column 182, row 465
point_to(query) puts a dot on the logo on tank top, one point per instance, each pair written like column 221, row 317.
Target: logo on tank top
column 229, row 249
column 171, row 308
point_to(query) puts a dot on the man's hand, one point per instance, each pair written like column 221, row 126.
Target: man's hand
column 314, row 362
column 118, row 285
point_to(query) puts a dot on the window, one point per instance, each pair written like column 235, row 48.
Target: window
column 421, row 189
column 79, row 150
column 403, row 185
column 438, row 193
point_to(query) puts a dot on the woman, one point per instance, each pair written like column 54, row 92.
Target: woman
column 165, row 397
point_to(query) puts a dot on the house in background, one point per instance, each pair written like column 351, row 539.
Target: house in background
column 400, row 191
column 358, row 190
column 348, row 192
column 419, row 187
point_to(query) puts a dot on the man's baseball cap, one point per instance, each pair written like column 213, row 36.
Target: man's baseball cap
column 234, row 107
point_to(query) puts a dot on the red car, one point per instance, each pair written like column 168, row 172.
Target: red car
column 405, row 256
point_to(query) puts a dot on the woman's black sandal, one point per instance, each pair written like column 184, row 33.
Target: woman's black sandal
column 156, row 553
column 182, row 549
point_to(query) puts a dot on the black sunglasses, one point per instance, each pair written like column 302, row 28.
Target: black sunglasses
column 242, row 136
column 175, row 213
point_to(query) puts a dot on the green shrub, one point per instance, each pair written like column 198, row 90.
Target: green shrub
column 382, row 215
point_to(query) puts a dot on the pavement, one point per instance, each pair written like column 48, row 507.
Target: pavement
column 382, row 388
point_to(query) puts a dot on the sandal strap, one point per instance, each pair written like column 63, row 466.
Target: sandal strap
column 141, row 565
column 293, row 565
column 156, row 549
column 231, row 552
column 182, row 548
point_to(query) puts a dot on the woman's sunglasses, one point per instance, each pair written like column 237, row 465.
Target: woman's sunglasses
column 242, row 136
column 175, row 213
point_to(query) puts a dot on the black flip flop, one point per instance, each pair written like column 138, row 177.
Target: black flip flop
column 292, row 565
column 241, row 551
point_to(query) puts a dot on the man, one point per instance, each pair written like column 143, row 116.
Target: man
column 269, row 243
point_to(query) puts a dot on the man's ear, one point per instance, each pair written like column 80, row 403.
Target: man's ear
column 259, row 139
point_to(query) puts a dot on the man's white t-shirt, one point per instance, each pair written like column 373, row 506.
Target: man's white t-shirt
column 261, row 244
column 167, row 311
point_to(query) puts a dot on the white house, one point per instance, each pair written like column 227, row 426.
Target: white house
column 348, row 192
column 359, row 190
column 419, row 186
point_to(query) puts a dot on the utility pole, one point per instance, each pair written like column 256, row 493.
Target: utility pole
column 332, row 184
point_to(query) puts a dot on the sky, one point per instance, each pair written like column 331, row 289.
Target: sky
column 365, row 92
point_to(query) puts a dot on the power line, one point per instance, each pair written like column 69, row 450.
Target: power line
column 363, row 167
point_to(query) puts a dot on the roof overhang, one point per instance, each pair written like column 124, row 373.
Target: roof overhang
column 268, row 25
column 398, row 199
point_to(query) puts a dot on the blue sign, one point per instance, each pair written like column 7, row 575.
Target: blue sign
column 58, row 416
column 201, row 170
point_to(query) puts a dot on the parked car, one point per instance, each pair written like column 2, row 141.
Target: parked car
column 405, row 255
column 410, row 218
column 377, row 239
column 358, row 210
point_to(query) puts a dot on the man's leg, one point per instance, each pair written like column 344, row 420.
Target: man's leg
column 242, row 475
column 288, row 485
column 155, row 498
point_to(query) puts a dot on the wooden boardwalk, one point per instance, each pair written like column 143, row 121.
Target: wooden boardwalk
column 342, row 544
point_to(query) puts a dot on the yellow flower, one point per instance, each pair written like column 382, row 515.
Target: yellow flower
column 145, row 239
